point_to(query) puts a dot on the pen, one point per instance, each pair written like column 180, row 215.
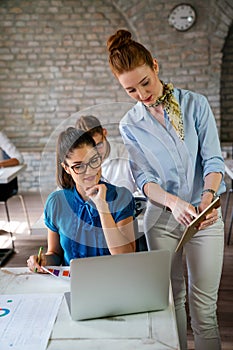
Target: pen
column 39, row 257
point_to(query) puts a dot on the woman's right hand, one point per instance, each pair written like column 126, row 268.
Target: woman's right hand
column 182, row 211
column 33, row 265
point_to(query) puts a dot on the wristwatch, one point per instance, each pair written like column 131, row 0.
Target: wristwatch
column 211, row 191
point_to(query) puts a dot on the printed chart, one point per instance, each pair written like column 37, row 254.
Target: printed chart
column 26, row 320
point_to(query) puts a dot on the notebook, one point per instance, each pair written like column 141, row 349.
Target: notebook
column 113, row 285
column 192, row 228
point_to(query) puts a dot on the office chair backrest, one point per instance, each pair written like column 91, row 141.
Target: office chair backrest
column 140, row 206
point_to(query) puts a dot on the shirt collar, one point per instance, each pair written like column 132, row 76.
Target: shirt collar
column 141, row 112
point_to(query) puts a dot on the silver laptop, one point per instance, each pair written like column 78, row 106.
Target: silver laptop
column 113, row 285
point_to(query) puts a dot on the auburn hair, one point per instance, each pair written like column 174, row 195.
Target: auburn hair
column 125, row 54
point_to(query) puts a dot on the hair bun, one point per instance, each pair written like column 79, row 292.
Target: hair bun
column 120, row 38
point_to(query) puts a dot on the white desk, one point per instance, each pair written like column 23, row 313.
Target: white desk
column 154, row 330
column 9, row 173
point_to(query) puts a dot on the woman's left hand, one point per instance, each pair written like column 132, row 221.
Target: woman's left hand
column 210, row 218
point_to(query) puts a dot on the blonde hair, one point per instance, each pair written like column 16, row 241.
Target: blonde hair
column 125, row 54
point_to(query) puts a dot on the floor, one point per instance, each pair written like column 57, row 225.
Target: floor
column 26, row 245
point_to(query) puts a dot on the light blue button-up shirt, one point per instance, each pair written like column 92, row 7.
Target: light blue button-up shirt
column 158, row 155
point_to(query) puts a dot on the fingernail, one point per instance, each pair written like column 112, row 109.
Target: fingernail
column 35, row 269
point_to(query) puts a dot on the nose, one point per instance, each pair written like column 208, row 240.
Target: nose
column 141, row 93
column 89, row 170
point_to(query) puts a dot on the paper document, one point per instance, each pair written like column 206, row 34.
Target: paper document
column 26, row 320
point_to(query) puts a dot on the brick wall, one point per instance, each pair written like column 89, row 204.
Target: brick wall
column 53, row 63
column 227, row 90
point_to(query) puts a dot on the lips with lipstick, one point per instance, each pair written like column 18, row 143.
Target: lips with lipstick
column 148, row 100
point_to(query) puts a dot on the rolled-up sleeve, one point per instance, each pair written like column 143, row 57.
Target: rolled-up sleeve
column 210, row 150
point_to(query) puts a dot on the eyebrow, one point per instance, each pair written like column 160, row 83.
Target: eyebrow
column 140, row 82
column 80, row 162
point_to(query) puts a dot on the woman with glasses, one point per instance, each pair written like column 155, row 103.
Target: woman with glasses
column 115, row 165
column 87, row 217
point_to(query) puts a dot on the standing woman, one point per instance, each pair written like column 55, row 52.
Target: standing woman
column 176, row 161
column 87, row 217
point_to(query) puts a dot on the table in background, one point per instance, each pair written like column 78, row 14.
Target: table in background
column 150, row 330
column 7, row 174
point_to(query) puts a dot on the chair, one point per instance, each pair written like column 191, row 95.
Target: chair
column 230, row 228
column 8, row 191
column 229, row 192
column 140, row 206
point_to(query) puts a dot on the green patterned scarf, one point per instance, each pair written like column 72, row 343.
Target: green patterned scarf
column 172, row 108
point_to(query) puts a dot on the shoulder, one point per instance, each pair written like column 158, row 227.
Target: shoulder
column 4, row 140
column 134, row 114
column 118, row 150
column 188, row 95
column 3, row 137
column 57, row 197
column 114, row 192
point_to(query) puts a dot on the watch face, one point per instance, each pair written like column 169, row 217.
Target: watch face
column 182, row 17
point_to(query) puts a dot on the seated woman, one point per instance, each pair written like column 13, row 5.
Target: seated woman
column 88, row 217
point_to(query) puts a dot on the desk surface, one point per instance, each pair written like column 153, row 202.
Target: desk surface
column 229, row 167
column 9, row 173
column 153, row 330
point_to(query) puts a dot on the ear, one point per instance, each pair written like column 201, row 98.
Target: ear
column 66, row 168
column 156, row 65
column 105, row 132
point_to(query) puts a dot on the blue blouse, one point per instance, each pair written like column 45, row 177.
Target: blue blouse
column 78, row 223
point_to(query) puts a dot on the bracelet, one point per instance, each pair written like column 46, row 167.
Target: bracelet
column 211, row 191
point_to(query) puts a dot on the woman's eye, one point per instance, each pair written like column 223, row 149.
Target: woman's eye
column 146, row 83
column 79, row 167
column 94, row 160
column 131, row 91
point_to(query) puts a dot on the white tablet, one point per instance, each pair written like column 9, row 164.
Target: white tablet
column 192, row 228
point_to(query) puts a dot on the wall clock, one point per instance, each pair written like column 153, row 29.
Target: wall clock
column 182, row 17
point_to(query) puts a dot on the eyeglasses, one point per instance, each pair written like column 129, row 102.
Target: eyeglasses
column 99, row 145
column 93, row 163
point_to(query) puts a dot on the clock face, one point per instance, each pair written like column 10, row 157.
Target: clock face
column 182, row 17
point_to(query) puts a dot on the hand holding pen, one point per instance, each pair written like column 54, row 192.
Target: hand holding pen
column 35, row 261
column 39, row 258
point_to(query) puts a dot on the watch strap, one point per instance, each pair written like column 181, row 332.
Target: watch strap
column 210, row 190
